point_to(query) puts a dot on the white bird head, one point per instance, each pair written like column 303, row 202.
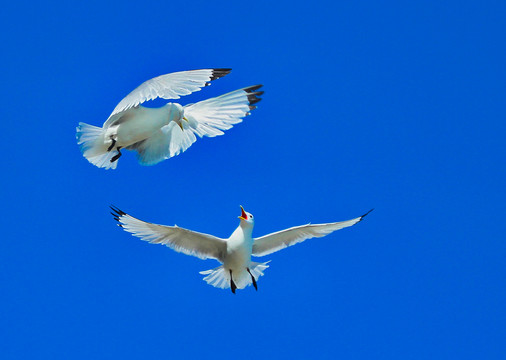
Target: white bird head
column 246, row 218
column 176, row 113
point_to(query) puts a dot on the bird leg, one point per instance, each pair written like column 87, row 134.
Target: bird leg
column 253, row 279
column 232, row 283
column 117, row 156
column 112, row 144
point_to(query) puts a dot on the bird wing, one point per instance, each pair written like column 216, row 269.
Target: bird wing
column 182, row 240
column 205, row 118
column 211, row 116
column 268, row 244
column 169, row 86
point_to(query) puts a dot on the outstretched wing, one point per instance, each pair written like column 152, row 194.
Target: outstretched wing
column 205, row 118
column 268, row 244
column 169, row 86
column 211, row 116
column 182, row 240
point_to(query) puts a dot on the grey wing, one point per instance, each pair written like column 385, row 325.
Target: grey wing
column 168, row 86
column 181, row 240
column 268, row 244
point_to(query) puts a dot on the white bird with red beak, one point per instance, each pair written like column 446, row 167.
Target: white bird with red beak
column 237, row 271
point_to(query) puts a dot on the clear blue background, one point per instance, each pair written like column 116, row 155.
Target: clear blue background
column 395, row 106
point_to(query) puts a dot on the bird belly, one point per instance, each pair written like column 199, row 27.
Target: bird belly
column 139, row 124
column 238, row 258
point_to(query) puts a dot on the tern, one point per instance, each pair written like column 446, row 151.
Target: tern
column 160, row 133
column 237, row 271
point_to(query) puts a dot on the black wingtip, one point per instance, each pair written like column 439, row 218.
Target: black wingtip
column 253, row 95
column 253, row 99
column 253, row 88
column 220, row 72
column 117, row 213
column 117, row 210
column 367, row 213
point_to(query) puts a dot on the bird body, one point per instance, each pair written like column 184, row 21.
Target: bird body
column 237, row 271
column 159, row 133
column 140, row 123
column 239, row 246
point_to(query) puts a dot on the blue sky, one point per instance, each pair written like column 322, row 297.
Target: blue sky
column 394, row 106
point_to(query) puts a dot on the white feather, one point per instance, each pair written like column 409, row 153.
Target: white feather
column 211, row 116
column 237, row 271
column 182, row 240
column 91, row 141
column 160, row 133
column 168, row 86
column 268, row 244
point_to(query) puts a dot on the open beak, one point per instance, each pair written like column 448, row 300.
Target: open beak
column 243, row 216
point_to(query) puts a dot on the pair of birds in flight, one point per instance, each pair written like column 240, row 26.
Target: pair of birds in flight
column 156, row 134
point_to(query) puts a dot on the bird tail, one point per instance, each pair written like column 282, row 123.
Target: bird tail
column 220, row 278
column 91, row 141
column 210, row 117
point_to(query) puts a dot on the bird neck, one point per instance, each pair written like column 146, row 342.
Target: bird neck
column 244, row 230
column 174, row 112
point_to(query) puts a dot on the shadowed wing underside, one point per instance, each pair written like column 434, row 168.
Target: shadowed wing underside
column 182, row 240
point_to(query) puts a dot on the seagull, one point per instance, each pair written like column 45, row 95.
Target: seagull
column 160, row 133
column 237, row 271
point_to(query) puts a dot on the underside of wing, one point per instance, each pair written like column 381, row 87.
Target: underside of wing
column 210, row 117
column 181, row 240
column 180, row 139
column 268, row 244
column 169, row 86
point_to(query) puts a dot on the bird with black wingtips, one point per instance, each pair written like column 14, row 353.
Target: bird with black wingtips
column 156, row 134
column 235, row 252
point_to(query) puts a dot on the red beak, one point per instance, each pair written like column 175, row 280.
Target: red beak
column 243, row 216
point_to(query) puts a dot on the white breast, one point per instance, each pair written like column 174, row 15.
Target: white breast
column 239, row 247
column 141, row 123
